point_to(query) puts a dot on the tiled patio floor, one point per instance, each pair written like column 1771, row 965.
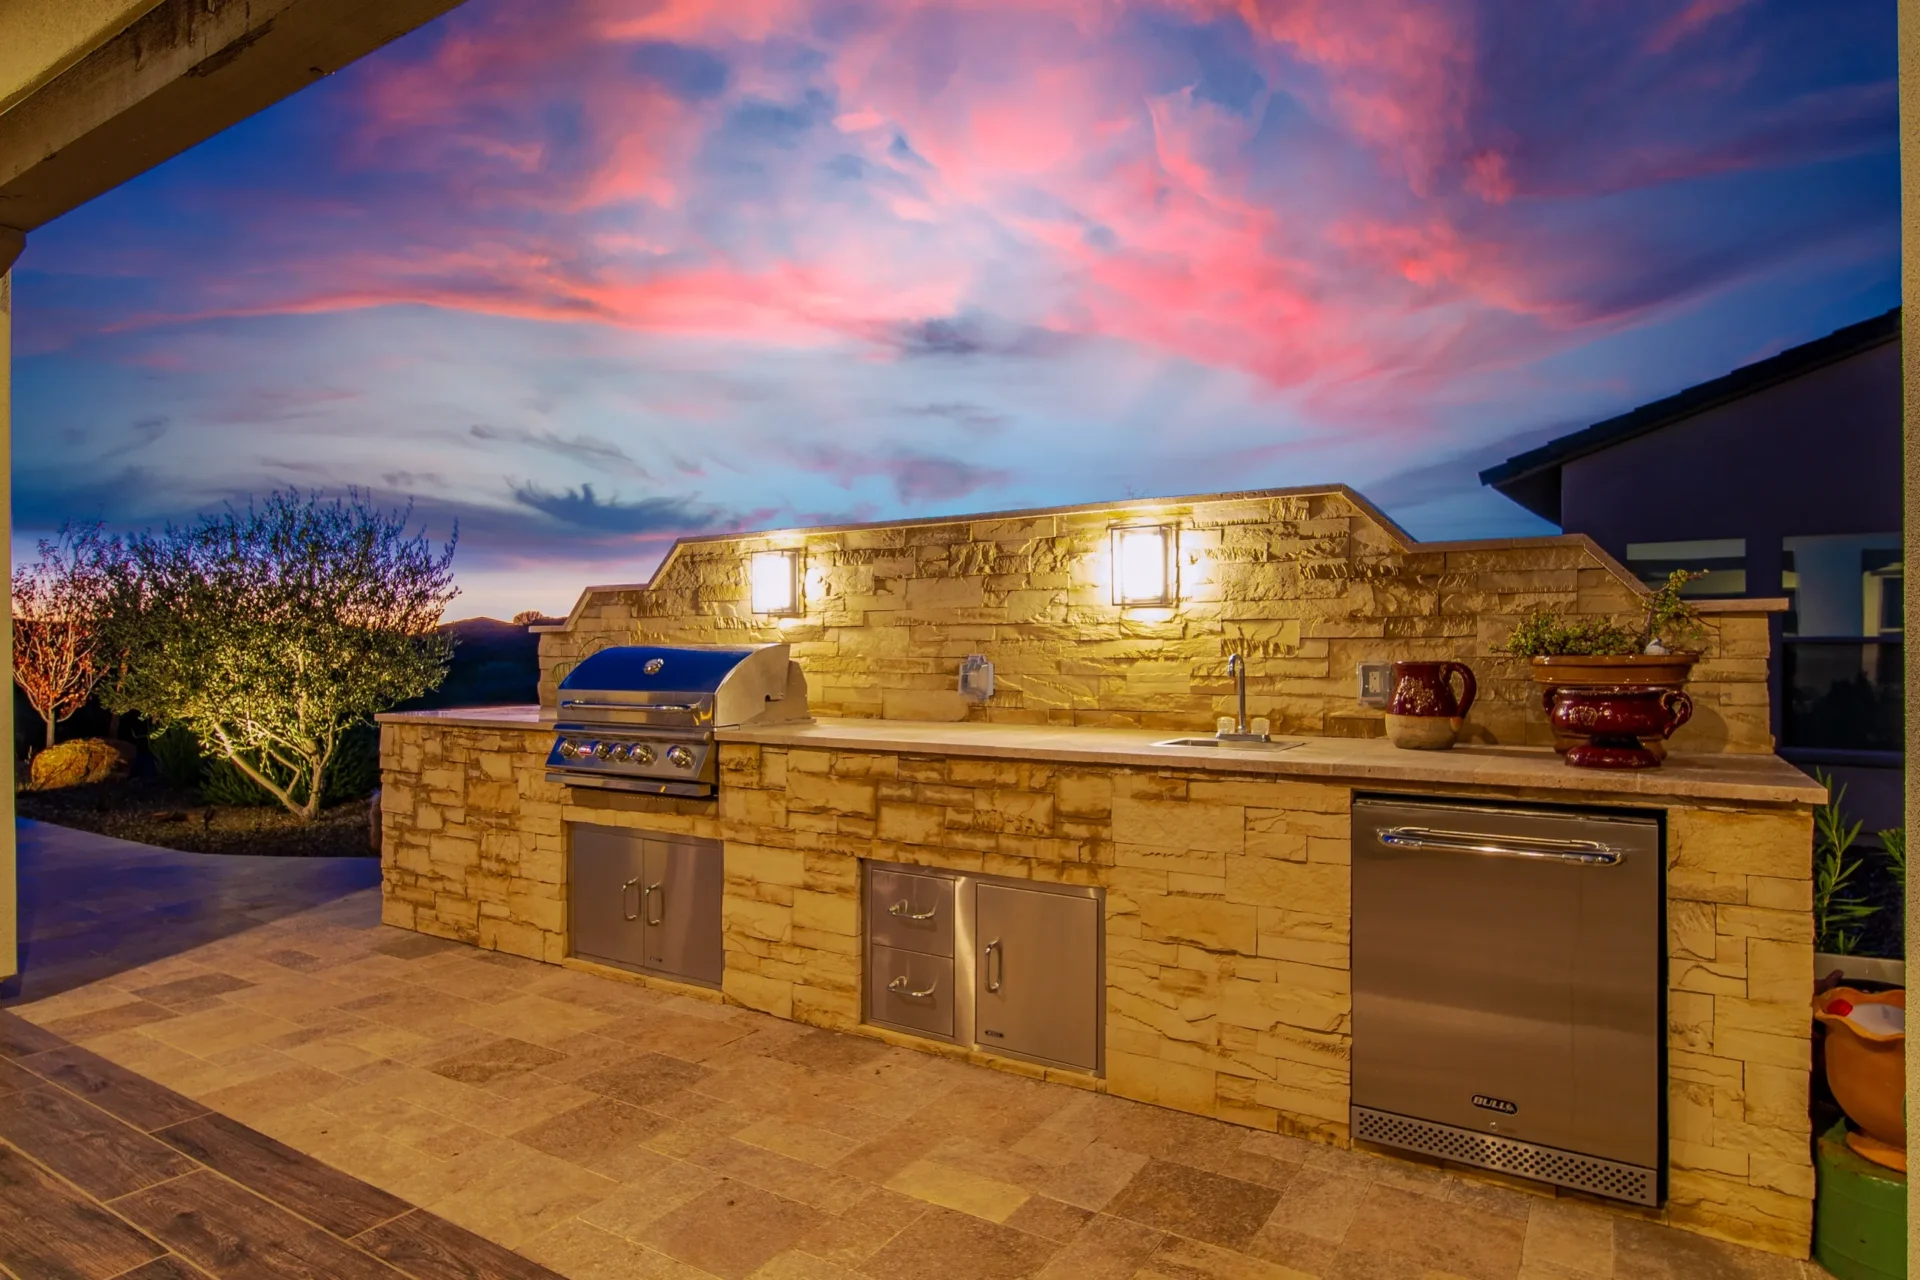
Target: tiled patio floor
column 607, row 1130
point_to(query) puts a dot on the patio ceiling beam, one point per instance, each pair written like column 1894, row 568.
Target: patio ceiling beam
column 178, row 73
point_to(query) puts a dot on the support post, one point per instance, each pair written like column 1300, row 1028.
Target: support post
column 1909, row 51
column 11, row 242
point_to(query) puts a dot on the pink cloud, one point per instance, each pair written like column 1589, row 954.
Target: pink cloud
column 1025, row 158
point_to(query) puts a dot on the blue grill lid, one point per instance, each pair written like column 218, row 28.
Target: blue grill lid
column 681, row 670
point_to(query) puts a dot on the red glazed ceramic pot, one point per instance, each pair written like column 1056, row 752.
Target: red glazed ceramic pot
column 1423, row 714
column 1614, row 719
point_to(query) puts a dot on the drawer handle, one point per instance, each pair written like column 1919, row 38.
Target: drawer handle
column 1587, row 853
column 635, row 914
column 648, row 896
column 994, row 949
column 906, row 912
column 899, row 987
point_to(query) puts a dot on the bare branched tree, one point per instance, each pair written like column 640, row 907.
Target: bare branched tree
column 59, row 654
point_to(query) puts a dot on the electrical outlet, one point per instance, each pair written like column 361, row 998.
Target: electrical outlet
column 1376, row 683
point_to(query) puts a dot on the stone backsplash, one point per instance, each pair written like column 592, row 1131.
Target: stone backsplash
column 1305, row 584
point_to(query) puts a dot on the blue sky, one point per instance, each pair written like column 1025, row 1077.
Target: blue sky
column 591, row 274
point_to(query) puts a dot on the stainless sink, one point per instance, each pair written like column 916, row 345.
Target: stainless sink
column 1276, row 744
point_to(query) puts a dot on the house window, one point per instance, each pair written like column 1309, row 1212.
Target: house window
column 1842, row 658
column 1722, row 562
column 1843, row 585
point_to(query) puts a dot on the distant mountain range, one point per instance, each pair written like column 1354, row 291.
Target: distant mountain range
column 494, row 664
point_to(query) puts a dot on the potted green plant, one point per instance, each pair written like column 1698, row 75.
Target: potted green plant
column 1577, row 653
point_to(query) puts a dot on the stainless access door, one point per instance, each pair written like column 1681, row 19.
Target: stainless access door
column 604, row 891
column 1507, row 982
column 680, row 902
column 1037, row 973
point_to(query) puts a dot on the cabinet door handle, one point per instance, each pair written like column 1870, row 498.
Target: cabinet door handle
column 1587, row 853
column 899, row 987
column 906, row 912
column 994, row 949
column 651, row 890
column 631, row 884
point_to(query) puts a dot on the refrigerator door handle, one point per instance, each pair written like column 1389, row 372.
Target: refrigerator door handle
column 1586, row 853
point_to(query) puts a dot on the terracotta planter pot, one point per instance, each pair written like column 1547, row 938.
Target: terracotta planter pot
column 1576, row 671
column 1867, row 1072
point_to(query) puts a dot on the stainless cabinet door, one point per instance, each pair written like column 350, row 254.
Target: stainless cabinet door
column 1037, row 974
column 1513, row 995
column 681, row 904
column 604, row 886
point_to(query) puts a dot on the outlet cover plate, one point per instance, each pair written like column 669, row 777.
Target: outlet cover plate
column 1376, row 683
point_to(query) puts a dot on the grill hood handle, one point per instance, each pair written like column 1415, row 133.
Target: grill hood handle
column 595, row 705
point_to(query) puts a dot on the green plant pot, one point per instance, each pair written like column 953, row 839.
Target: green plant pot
column 1859, row 1215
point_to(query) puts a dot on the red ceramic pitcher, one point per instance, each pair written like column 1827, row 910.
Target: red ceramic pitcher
column 1422, row 713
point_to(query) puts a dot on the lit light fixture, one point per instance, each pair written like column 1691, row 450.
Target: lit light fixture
column 1144, row 568
column 775, row 582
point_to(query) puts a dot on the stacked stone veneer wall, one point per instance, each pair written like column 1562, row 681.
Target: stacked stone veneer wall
column 1227, row 919
column 1304, row 584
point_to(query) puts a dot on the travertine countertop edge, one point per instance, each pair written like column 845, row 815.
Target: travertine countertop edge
column 1730, row 777
column 1754, row 778
column 522, row 716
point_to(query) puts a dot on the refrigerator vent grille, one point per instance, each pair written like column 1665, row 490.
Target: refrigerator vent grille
column 1508, row 1155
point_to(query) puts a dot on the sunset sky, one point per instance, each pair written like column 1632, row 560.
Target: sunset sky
column 588, row 274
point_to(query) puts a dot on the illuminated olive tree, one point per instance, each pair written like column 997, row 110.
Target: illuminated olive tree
column 59, row 655
column 271, row 631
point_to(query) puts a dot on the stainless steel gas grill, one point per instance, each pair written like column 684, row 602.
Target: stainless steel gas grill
column 642, row 717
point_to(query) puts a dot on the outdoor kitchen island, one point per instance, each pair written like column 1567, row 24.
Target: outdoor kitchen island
column 1223, row 877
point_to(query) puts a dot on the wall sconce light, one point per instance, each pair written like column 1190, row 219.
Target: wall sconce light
column 1145, row 569
column 775, row 582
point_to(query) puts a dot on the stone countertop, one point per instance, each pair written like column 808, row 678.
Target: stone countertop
column 527, row 716
column 1729, row 777
column 1765, row 779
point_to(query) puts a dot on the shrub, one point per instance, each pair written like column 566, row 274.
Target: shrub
column 176, row 754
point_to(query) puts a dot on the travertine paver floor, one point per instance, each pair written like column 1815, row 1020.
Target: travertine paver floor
column 608, row 1130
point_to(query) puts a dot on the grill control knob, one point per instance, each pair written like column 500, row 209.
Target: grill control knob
column 621, row 751
column 679, row 757
column 642, row 753
column 602, row 750
column 567, row 749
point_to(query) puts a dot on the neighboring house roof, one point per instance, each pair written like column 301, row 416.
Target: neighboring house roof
column 1532, row 479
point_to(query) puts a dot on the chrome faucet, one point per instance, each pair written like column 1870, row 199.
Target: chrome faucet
column 1237, row 668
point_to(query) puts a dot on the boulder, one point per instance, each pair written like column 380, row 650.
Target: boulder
column 75, row 763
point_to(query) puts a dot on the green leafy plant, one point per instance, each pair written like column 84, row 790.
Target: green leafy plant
column 1894, row 843
column 1545, row 634
column 176, row 754
column 1836, row 915
column 1669, row 619
column 271, row 632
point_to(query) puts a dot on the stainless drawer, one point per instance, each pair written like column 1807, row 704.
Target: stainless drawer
column 911, row 991
column 913, row 913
